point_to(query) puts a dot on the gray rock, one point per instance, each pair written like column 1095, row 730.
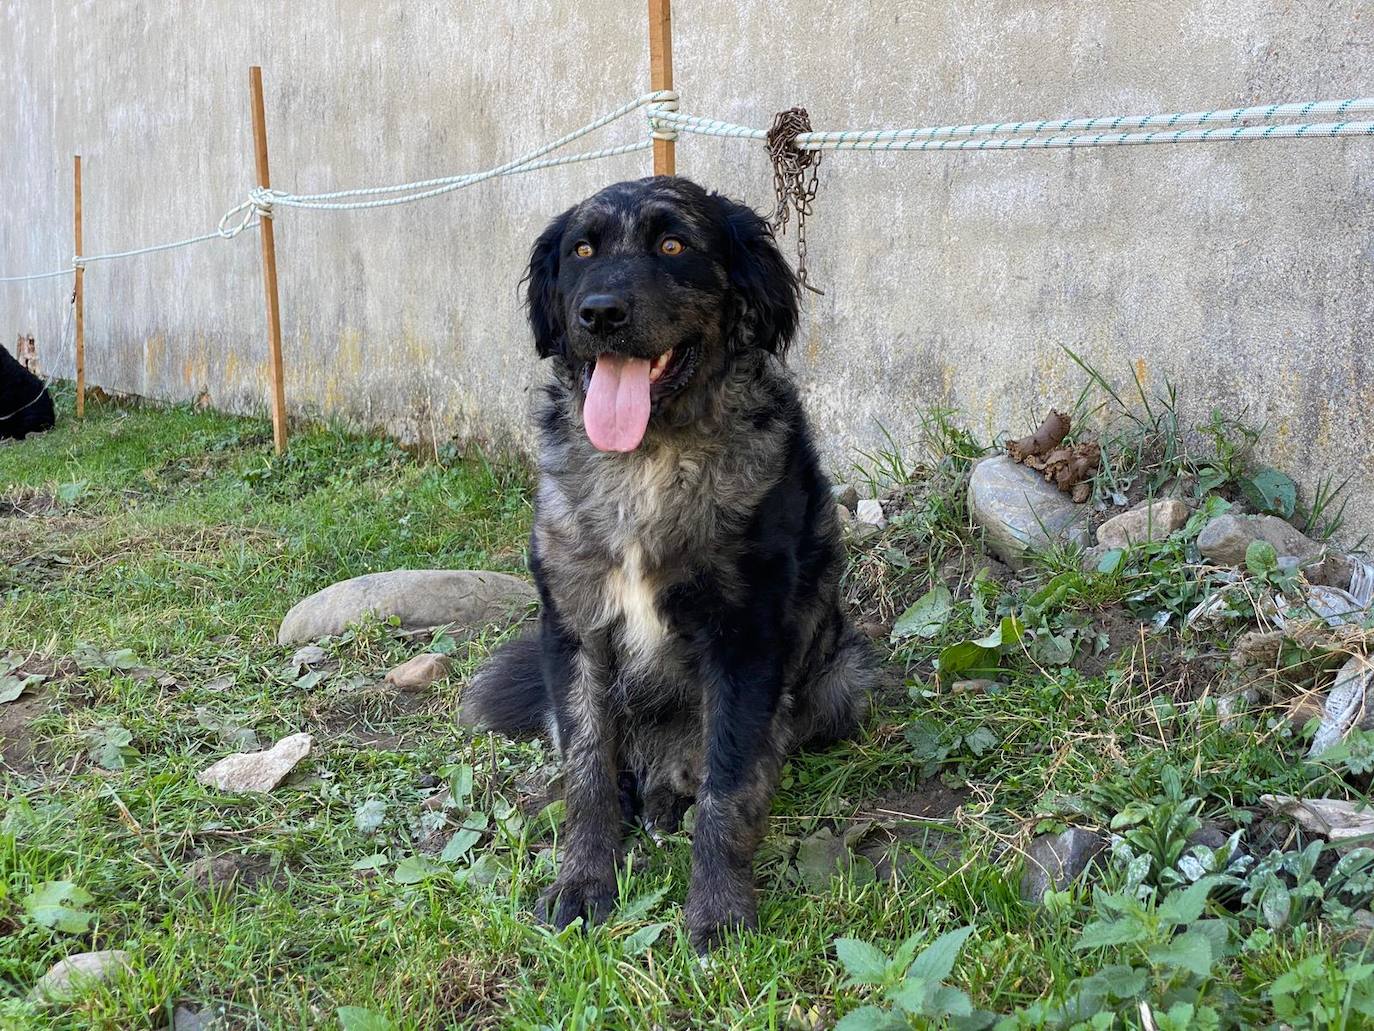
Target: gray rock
column 1209, row 835
column 845, row 494
column 845, row 515
column 184, row 1018
column 420, row 598
column 871, row 512
column 1149, row 521
column 1018, row 509
column 1054, row 861
column 1225, row 539
column 69, row 977
column 257, row 771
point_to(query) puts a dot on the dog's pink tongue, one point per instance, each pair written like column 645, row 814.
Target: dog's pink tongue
column 616, row 413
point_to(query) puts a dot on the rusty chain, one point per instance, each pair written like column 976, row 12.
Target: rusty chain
column 794, row 180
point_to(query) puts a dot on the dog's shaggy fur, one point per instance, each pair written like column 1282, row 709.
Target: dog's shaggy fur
column 25, row 404
column 692, row 631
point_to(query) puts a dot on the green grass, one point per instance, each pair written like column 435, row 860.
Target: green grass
column 174, row 535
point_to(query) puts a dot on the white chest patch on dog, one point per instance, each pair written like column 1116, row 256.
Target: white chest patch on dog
column 630, row 596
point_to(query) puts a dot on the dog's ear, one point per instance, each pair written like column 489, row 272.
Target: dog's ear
column 541, row 288
column 764, row 284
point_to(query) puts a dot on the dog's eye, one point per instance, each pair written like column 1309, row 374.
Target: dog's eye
column 584, row 249
column 671, row 245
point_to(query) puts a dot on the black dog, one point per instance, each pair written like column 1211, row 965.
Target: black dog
column 685, row 546
column 25, row 404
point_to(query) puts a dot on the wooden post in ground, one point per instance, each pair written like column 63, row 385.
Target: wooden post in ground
column 79, row 298
column 269, row 266
column 661, row 74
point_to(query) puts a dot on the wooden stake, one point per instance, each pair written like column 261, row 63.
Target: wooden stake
column 79, row 299
column 269, row 266
column 661, row 74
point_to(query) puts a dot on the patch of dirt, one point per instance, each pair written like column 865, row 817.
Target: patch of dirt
column 932, row 800
column 366, row 715
column 19, row 752
column 26, row 503
column 231, row 871
column 910, row 823
column 1123, row 632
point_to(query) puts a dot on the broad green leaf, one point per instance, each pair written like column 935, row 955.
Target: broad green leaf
column 642, row 940
column 966, row 657
column 1110, row 561
column 373, row 862
column 948, row 1001
column 460, row 784
column 980, row 740
column 11, row 686
column 864, row 963
column 1272, row 492
column 1189, row 951
column 1183, row 907
column 927, row 617
column 1007, row 633
column 937, row 961
column 1101, row 933
column 1051, row 594
column 912, row 996
column 369, row 816
column 820, row 858
column 641, row 907
column 459, row 845
column 871, row 1018
column 1261, row 558
column 1276, row 903
column 1117, row 982
column 57, row 905
column 414, row 869
column 69, row 492
column 355, row 1018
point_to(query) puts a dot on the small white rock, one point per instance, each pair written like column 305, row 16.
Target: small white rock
column 70, row 976
column 870, row 511
column 257, row 771
column 310, row 655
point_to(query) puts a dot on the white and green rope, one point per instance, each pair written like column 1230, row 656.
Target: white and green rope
column 1238, row 124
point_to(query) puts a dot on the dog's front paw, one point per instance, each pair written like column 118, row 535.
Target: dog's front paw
column 712, row 917
column 570, row 898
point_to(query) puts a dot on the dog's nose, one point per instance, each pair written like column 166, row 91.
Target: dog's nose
column 603, row 313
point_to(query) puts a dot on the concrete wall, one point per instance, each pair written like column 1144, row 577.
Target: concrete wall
column 1241, row 272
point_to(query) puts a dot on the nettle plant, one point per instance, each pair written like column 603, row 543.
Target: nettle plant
column 908, row 985
column 1166, row 952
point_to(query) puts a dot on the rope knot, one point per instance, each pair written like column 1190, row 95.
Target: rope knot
column 665, row 100
column 793, row 189
column 261, row 199
column 78, row 262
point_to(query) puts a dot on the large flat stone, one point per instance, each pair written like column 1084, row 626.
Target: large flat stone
column 1019, row 510
column 421, row 598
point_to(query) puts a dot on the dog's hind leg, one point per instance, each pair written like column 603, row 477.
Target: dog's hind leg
column 833, row 705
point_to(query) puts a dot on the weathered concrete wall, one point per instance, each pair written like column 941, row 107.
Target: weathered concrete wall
column 1241, row 272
